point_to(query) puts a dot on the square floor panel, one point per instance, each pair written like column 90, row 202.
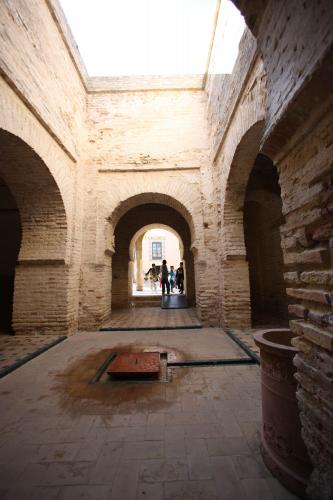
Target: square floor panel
column 131, row 364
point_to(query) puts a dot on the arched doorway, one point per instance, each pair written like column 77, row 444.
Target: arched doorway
column 151, row 244
column 262, row 220
column 128, row 229
column 10, row 230
column 36, row 301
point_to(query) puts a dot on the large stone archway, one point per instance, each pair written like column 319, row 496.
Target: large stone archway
column 129, row 226
column 236, row 310
column 40, row 302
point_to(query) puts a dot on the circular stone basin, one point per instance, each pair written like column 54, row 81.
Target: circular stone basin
column 283, row 449
column 277, row 341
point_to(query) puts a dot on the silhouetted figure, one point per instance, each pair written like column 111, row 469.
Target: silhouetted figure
column 180, row 278
column 165, row 277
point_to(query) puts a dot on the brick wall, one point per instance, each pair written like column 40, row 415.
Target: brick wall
column 41, row 70
column 42, row 108
column 144, row 147
column 306, row 188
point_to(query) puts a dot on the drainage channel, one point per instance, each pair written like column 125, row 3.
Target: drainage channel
column 243, row 346
column 163, row 375
column 150, row 328
column 22, row 361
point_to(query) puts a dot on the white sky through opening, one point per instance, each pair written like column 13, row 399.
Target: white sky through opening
column 151, row 37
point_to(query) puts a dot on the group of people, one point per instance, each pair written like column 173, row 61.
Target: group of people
column 169, row 280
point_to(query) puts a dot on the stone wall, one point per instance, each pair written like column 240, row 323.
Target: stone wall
column 42, row 71
column 143, row 147
column 306, row 177
column 235, row 142
column 42, row 109
column 294, row 128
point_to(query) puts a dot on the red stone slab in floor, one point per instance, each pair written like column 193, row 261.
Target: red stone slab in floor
column 135, row 364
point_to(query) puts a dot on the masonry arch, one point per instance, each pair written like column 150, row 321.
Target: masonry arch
column 236, row 305
column 133, row 223
column 138, row 265
column 154, row 197
column 41, row 273
column 262, row 220
column 251, row 216
column 148, row 227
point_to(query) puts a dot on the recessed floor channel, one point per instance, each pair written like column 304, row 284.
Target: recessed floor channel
column 152, row 366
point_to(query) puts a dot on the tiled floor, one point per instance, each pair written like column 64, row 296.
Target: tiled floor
column 194, row 438
column 16, row 347
column 150, row 317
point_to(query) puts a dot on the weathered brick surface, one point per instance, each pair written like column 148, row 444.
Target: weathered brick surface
column 77, row 163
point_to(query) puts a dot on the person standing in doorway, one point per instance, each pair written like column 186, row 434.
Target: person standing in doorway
column 180, row 278
column 172, row 276
column 153, row 277
column 165, row 277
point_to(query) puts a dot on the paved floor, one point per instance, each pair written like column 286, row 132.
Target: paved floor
column 150, row 317
column 16, row 347
column 194, row 438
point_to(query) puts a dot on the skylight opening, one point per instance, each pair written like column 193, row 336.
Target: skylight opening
column 229, row 30
column 142, row 37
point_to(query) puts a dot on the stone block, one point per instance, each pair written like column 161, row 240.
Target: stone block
column 310, row 295
column 318, row 336
column 314, row 256
column 298, row 310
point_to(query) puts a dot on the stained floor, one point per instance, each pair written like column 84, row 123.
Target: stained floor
column 195, row 437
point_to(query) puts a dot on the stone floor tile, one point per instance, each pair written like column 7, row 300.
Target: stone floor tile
column 89, row 451
column 152, row 316
column 224, row 446
column 15, row 347
column 103, row 471
column 180, row 418
column 248, row 467
column 18, row 493
column 143, row 450
column 134, row 433
column 156, row 419
column 257, row 488
column 175, row 448
column 61, row 473
column 190, row 490
column 44, row 493
column 198, row 459
column 202, row 431
column 226, row 480
column 154, row 432
column 138, row 420
column 113, row 420
column 33, row 474
column 230, row 426
column 150, row 491
column 278, row 491
column 84, row 492
column 126, row 480
column 174, row 469
column 174, row 432
column 56, row 452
